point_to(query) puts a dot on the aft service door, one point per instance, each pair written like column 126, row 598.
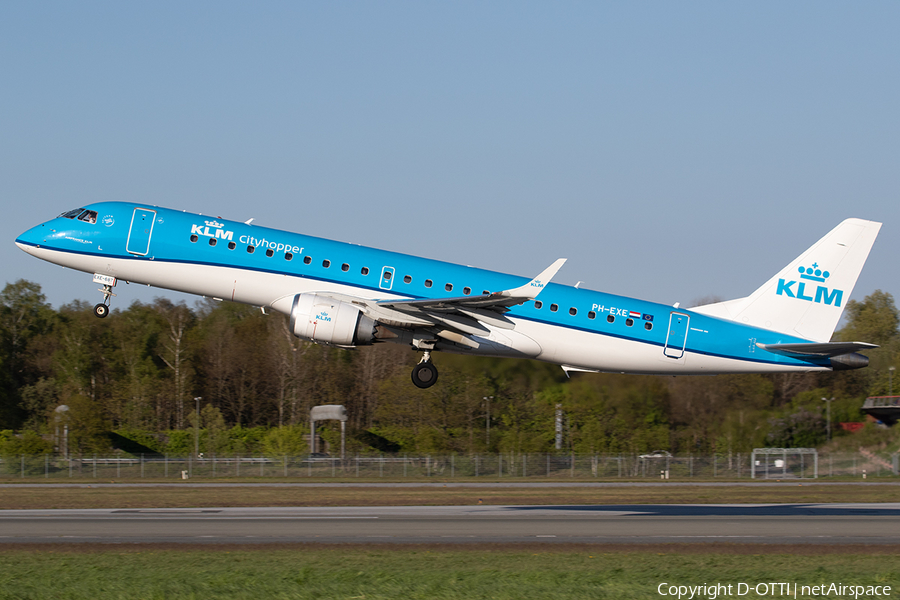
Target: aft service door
column 141, row 229
column 677, row 337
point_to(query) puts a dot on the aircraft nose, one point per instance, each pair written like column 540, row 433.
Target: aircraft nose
column 32, row 238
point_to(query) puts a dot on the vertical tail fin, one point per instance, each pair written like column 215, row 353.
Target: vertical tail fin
column 807, row 297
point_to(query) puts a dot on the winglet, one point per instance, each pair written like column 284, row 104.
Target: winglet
column 531, row 289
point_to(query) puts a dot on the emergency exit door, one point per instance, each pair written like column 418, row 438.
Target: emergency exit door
column 677, row 336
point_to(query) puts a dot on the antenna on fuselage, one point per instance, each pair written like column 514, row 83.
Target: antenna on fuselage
column 248, row 221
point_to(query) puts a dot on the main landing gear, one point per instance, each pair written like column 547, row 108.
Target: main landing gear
column 425, row 374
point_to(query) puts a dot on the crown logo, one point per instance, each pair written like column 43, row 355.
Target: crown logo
column 214, row 223
column 814, row 273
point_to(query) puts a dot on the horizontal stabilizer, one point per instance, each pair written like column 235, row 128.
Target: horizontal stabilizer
column 823, row 349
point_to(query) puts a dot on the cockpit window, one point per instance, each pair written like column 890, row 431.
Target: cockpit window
column 89, row 216
column 71, row 214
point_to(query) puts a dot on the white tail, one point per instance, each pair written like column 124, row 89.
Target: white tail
column 807, row 297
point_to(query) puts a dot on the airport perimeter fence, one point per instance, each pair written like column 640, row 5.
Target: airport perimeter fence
column 505, row 466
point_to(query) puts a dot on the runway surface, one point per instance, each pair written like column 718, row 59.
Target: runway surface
column 734, row 523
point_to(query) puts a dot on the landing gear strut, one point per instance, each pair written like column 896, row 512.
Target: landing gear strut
column 425, row 374
column 102, row 310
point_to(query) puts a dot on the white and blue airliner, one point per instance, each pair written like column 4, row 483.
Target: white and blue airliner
column 347, row 295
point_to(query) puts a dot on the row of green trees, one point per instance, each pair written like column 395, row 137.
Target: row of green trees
column 138, row 373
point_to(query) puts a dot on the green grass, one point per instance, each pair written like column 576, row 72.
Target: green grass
column 665, row 493
column 369, row 573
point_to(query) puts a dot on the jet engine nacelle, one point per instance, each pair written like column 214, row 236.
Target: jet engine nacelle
column 320, row 318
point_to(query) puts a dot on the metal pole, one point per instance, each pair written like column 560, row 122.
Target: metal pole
column 487, row 421
column 559, row 427
column 828, row 402
column 343, row 439
column 891, row 381
column 197, row 427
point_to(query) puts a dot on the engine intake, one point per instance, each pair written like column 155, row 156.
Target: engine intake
column 320, row 318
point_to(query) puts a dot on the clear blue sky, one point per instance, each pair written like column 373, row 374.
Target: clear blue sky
column 670, row 150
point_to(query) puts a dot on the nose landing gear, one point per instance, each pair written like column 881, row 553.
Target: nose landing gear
column 102, row 310
column 425, row 374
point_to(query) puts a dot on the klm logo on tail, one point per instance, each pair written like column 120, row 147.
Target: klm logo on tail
column 822, row 293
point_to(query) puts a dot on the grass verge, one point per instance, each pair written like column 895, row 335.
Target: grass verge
column 190, row 497
column 433, row 572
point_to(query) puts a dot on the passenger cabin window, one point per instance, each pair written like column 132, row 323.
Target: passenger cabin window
column 610, row 319
column 307, row 260
column 270, row 253
column 573, row 311
column 288, row 256
column 386, row 275
column 428, row 283
column 554, row 307
column 345, row 267
column 326, row 263
column 538, row 304
column 232, row 245
column 449, row 287
column 407, row 279
column 467, row 291
column 251, row 249
column 212, row 241
column 629, row 321
column 648, row 325
column 592, row 314
column 194, row 237
column 364, row 270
